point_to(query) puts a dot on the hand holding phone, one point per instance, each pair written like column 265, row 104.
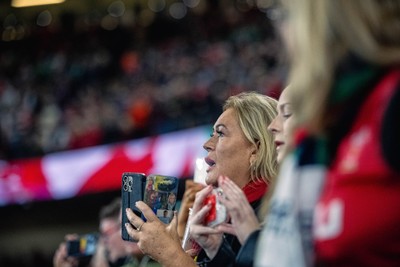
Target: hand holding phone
column 217, row 213
column 159, row 192
column 132, row 189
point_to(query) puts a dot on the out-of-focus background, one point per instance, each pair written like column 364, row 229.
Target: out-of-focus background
column 92, row 88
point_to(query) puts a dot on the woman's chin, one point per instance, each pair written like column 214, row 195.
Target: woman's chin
column 211, row 180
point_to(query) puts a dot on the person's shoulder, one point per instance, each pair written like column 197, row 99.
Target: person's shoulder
column 391, row 130
column 131, row 263
column 256, row 204
column 148, row 262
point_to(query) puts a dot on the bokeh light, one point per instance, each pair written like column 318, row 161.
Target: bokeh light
column 191, row 3
column 156, row 5
column 44, row 18
column 116, row 9
column 178, row 10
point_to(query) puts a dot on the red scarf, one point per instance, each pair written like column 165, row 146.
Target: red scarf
column 255, row 190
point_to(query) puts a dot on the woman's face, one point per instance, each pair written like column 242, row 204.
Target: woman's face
column 281, row 124
column 229, row 152
column 172, row 199
column 153, row 195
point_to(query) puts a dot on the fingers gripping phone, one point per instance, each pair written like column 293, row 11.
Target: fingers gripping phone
column 159, row 192
column 132, row 190
column 217, row 213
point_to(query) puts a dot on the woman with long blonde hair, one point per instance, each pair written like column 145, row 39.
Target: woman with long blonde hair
column 344, row 77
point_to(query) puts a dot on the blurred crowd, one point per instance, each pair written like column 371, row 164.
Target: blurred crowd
column 69, row 89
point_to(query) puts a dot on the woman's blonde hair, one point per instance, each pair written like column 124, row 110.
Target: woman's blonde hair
column 255, row 112
column 324, row 32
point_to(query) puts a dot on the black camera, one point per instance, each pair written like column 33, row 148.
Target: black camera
column 84, row 246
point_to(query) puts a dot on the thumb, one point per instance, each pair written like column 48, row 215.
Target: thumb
column 173, row 225
column 226, row 228
column 172, row 228
column 192, row 252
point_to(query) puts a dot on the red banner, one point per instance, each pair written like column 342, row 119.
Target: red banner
column 95, row 169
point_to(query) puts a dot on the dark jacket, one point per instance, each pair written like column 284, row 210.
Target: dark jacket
column 231, row 253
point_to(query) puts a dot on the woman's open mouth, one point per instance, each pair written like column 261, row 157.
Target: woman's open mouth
column 279, row 144
column 210, row 163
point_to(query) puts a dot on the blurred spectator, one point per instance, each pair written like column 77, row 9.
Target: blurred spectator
column 119, row 252
column 112, row 250
column 112, row 86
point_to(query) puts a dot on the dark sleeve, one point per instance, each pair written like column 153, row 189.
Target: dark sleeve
column 230, row 248
column 245, row 256
column 225, row 257
column 390, row 135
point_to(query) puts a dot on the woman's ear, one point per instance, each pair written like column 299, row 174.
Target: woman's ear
column 255, row 148
column 254, row 153
column 253, row 158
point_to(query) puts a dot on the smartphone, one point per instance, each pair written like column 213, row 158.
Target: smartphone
column 217, row 213
column 84, row 246
column 132, row 190
column 159, row 192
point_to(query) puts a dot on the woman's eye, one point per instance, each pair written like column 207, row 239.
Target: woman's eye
column 287, row 116
column 219, row 133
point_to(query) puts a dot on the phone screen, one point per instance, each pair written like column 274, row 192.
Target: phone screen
column 160, row 195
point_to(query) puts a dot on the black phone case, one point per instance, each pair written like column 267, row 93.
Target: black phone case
column 132, row 190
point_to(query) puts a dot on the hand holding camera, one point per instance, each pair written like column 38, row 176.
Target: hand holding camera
column 75, row 250
column 83, row 246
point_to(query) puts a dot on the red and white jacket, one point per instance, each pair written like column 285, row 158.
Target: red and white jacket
column 357, row 218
